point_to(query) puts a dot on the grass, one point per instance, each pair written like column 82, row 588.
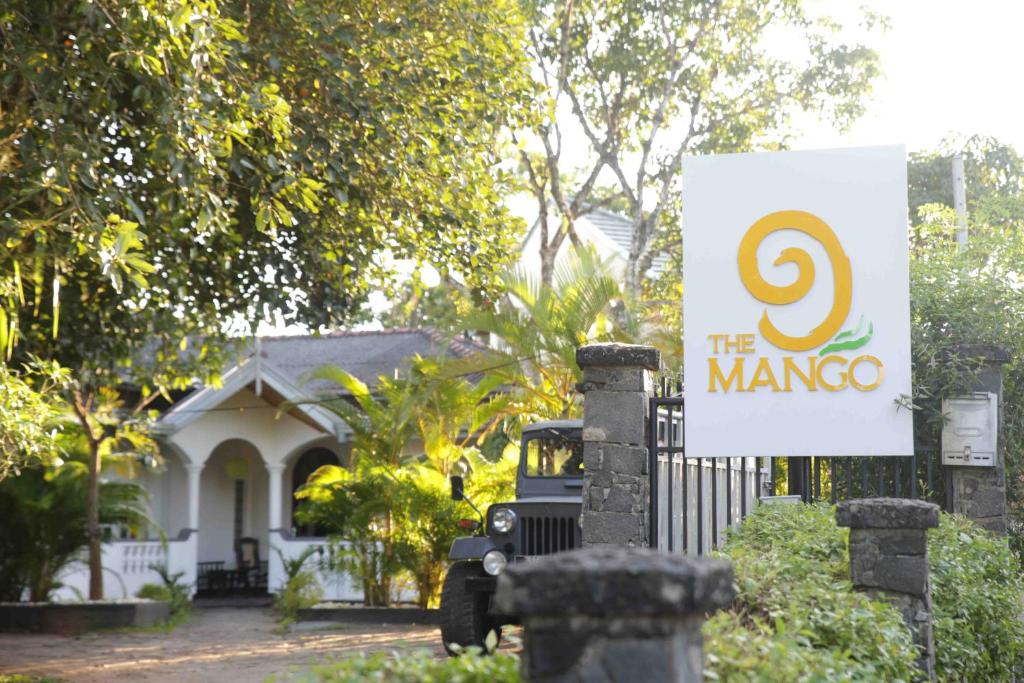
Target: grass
column 18, row 678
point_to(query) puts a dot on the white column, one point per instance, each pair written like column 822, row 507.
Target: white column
column 194, row 471
column 275, row 495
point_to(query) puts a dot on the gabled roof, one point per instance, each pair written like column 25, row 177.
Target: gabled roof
column 365, row 354
column 269, row 382
column 284, row 363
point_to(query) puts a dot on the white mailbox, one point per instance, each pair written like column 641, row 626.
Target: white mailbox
column 969, row 435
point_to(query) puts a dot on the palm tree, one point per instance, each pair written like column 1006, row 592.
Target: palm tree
column 539, row 328
column 45, row 523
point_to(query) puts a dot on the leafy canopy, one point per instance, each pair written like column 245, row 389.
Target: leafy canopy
column 650, row 82
column 169, row 167
column 994, row 180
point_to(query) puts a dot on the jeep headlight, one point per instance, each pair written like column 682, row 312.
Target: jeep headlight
column 494, row 562
column 503, row 520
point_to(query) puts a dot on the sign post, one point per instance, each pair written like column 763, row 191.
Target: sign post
column 796, row 313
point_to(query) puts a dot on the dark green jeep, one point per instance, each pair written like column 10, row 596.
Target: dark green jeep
column 544, row 519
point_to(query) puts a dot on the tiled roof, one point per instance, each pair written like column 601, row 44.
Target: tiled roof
column 365, row 354
column 620, row 230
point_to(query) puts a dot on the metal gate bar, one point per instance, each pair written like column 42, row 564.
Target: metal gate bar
column 678, row 505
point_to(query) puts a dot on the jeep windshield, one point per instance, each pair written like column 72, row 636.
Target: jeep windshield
column 550, row 454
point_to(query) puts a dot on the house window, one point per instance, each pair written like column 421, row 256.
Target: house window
column 308, row 463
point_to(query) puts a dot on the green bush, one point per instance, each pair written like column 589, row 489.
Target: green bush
column 170, row 589
column 44, row 523
column 415, row 667
column 796, row 616
column 301, row 592
column 977, row 597
column 154, row 591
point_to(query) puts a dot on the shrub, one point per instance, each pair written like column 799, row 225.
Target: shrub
column 415, row 667
column 301, row 592
column 977, row 597
column 154, row 591
column 796, row 616
column 44, row 523
column 170, row 589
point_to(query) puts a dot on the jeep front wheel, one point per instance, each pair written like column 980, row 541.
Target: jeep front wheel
column 464, row 620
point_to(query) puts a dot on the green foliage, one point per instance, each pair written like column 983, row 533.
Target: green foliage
column 388, row 524
column 969, row 296
column 173, row 171
column 993, row 175
column 177, row 592
column 977, row 594
column 312, row 137
column 154, row 591
column 414, row 667
column 394, row 511
column 302, row 591
column 649, row 83
column 358, row 506
column 541, row 326
column 796, row 616
column 29, row 407
column 293, row 565
column 1015, row 536
column 426, row 529
column 44, row 529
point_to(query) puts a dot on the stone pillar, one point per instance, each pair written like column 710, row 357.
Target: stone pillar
column 617, row 386
column 275, row 496
column 194, row 471
column 889, row 560
column 979, row 493
column 614, row 614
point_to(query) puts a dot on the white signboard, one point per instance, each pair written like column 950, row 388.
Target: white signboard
column 796, row 312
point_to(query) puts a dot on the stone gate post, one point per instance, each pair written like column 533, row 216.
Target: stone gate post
column 889, row 561
column 979, row 493
column 613, row 614
column 617, row 386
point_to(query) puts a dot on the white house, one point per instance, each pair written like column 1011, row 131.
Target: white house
column 232, row 460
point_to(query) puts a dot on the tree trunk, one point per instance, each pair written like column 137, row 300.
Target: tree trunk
column 547, row 265
column 93, row 503
column 81, row 406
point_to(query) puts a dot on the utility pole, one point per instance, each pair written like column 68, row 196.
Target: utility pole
column 960, row 201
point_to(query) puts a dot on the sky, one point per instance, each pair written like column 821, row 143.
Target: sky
column 947, row 67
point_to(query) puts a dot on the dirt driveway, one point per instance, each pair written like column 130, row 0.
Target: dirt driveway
column 229, row 645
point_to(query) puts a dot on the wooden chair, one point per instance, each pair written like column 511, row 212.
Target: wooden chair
column 247, row 562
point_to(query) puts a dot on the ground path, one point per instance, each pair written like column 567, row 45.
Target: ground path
column 218, row 645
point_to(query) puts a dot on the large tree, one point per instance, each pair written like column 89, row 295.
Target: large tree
column 993, row 179
column 647, row 83
column 177, row 170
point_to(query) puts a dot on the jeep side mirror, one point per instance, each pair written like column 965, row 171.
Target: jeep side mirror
column 457, row 491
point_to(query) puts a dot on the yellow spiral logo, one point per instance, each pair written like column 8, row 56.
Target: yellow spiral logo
column 762, row 290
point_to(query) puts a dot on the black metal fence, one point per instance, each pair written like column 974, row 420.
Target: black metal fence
column 695, row 500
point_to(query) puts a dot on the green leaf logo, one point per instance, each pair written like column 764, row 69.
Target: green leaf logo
column 850, row 339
